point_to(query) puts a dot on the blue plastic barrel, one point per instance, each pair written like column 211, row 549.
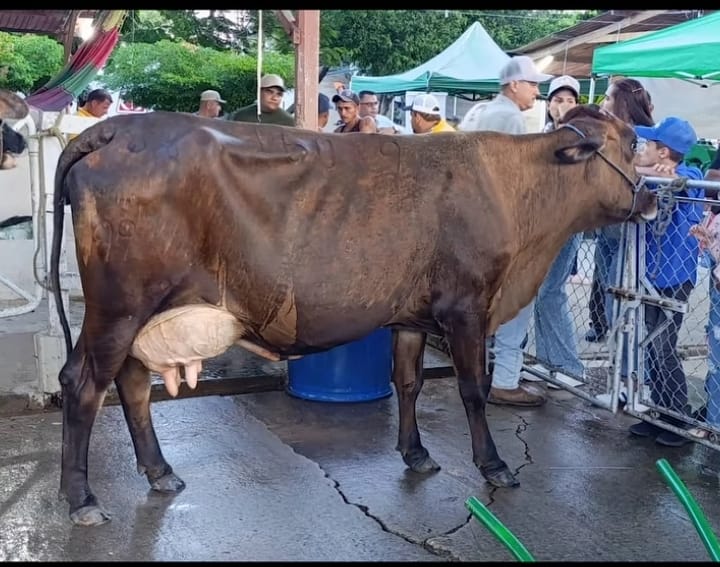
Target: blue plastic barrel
column 359, row 371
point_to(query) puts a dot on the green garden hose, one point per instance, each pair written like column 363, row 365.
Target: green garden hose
column 496, row 527
column 693, row 509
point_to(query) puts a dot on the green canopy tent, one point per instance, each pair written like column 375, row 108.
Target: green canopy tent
column 471, row 64
column 672, row 64
column 684, row 51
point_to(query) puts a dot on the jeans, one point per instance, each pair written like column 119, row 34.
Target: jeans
column 555, row 341
column 605, row 274
column 668, row 386
column 712, row 380
column 508, row 350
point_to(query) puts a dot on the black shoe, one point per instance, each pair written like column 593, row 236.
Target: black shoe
column 645, row 429
column 672, row 439
column 595, row 335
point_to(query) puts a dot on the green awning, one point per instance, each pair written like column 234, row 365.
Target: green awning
column 690, row 50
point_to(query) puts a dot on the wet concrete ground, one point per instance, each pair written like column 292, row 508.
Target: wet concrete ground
column 272, row 477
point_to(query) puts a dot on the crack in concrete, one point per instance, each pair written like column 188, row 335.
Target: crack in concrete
column 425, row 543
column 522, row 426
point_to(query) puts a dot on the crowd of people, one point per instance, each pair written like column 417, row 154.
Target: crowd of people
column 672, row 254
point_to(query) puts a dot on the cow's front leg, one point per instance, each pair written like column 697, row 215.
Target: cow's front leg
column 408, row 350
column 465, row 333
column 133, row 384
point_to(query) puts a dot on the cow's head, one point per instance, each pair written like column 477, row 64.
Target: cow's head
column 610, row 145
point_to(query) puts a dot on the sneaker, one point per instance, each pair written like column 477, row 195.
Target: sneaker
column 672, row 439
column 622, row 397
column 646, row 429
column 699, row 432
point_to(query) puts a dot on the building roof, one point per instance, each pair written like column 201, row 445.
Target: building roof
column 54, row 23
column 572, row 48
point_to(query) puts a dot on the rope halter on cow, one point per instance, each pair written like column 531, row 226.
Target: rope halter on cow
column 635, row 185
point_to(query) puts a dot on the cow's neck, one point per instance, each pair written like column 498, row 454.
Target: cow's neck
column 547, row 213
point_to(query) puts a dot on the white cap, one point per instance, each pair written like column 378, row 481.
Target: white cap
column 272, row 81
column 211, row 95
column 427, row 104
column 522, row 68
column 564, row 82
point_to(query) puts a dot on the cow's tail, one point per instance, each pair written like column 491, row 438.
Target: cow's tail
column 87, row 142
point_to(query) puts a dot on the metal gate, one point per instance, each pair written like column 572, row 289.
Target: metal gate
column 28, row 300
column 660, row 357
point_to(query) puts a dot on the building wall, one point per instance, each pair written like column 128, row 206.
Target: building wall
column 16, row 255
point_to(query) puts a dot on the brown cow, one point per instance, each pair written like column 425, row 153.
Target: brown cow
column 312, row 240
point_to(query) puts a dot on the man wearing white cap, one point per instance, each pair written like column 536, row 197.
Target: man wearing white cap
column 210, row 104
column 425, row 115
column 272, row 89
column 519, row 79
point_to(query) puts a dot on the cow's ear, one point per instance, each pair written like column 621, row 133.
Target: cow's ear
column 579, row 151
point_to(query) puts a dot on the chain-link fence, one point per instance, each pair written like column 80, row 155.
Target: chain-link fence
column 630, row 317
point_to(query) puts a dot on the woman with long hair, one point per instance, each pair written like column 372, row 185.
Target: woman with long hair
column 630, row 101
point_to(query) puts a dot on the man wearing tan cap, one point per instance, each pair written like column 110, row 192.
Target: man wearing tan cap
column 519, row 79
column 210, row 104
column 272, row 89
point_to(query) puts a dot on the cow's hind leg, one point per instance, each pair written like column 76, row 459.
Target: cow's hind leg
column 465, row 333
column 133, row 384
column 408, row 350
column 85, row 378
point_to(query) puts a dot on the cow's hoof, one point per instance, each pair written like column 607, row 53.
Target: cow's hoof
column 501, row 477
column 421, row 463
column 169, row 483
column 91, row 515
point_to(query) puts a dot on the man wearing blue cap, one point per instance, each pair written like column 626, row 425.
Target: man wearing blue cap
column 671, row 261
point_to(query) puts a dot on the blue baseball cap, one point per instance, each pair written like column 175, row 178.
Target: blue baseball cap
column 675, row 133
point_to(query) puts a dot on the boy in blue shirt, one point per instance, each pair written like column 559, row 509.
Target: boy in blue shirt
column 671, row 262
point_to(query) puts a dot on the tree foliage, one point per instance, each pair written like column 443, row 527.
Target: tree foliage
column 28, row 61
column 167, row 57
column 383, row 42
column 170, row 75
column 217, row 30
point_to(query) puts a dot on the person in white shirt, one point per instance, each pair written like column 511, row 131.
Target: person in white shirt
column 370, row 106
column 519, row 79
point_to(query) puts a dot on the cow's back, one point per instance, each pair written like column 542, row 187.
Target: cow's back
column 292, row 230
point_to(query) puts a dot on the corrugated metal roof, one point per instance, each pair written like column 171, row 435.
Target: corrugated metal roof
column 576, row 60
column 44, row 22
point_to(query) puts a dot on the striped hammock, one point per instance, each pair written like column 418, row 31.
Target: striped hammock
column 83, row 66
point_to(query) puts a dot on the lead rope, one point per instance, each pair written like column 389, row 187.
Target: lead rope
column 635, row 186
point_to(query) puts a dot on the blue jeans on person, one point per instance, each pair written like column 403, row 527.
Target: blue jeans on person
column 607, row 248
column 555, row 342
column 712, row 380
column 507, row 349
